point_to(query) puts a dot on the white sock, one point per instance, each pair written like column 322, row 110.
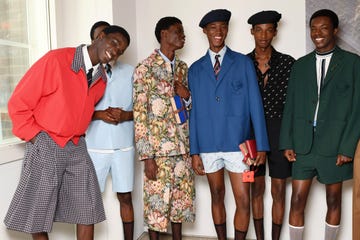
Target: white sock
column 296, row 233
column 331, row 231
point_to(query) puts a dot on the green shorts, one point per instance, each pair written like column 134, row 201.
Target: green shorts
column 324, row 168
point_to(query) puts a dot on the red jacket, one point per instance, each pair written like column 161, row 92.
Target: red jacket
column 53, row 96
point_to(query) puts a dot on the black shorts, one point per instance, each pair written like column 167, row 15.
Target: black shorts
column 279, row 166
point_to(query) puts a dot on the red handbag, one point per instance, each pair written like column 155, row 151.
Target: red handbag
column 248, row 149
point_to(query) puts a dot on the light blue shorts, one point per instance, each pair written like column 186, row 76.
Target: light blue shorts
column 120, row 163
column 232, row 161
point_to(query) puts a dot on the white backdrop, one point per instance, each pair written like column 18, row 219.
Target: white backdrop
column 291, row 39
column 71, row 24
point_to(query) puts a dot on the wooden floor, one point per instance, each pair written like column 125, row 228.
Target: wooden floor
column 145, row 236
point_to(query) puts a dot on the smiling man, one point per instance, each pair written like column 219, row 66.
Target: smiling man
column 162, row 143
column 50, row 109
column 110, row 136
column 226, row 100
column 321, row 122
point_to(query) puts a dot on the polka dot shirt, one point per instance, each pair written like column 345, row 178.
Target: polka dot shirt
column 278, row 74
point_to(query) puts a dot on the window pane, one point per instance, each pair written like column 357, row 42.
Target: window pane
column 13, row 64
column 13, row 20
column 23, row 38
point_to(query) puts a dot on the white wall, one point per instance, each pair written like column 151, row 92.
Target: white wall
column 73, row 21
column 75, row 18
column 290, row 39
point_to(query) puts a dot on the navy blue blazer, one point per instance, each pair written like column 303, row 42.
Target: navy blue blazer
column 223, row 109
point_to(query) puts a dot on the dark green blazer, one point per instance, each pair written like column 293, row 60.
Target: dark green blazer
column 338, row 120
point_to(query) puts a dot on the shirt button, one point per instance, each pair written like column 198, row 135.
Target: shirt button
column 217, row 99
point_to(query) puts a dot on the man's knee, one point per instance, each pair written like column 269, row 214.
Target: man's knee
column 258, row 187
column 278, row 193
column 298, row 201
column 218, row 195
column 333, row 202
column 85, row 232
column 125, row 198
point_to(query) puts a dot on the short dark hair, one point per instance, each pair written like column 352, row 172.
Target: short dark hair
column 164, row 24
column 95, row 26
column 326, row 13
column 117, row 29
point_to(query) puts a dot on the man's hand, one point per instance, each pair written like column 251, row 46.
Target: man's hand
column 197, row 164
column 104, row 115
column 120, row 115
column 181, row 90
column 290, row 155
column 151, row 168
column 341, row 159
column 260, row 158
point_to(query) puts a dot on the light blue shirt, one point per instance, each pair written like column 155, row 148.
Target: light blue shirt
column 118, row 93
column 221, row 57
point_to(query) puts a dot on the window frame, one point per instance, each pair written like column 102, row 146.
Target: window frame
column 13, row 149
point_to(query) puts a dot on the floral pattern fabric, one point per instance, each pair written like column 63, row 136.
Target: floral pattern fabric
column 171, row 197
column 159, row 136
column 156, row 130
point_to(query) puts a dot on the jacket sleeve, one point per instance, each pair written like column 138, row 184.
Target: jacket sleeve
column 256, row 109
column 194, row 148
column 286, row 133
column 351, row 133
column 141, row 90
column 24, row 101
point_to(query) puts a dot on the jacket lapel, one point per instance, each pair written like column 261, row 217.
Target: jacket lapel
column 311, row 74
column 334, row 65
column 207, row 65
column 225, row 65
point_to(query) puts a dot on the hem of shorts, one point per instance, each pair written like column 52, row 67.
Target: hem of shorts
column 282, row 177
column 26, row 230
column 80, row 222
column 123, row 191
column 336, row 181
column 165, row 229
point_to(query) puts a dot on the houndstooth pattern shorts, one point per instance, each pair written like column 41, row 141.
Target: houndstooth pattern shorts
column 56, row 184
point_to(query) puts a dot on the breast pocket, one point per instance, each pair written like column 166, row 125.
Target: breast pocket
column 342, row 89
column 237, row 87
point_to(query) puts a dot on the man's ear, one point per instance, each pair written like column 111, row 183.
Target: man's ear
column 100, row 35
column 163, row 34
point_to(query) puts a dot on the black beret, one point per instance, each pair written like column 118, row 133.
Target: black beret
column 264, row 17
column 217, row 15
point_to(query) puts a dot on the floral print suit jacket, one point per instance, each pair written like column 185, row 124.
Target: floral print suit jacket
column 156, row 131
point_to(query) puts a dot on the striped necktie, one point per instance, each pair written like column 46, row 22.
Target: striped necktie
column 217, row 65
column 322, row 75
column 108, row 69
column 89, row 76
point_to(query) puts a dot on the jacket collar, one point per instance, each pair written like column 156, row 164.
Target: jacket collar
column 226, row 63
column 79, row 63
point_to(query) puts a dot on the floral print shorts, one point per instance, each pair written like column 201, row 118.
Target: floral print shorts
column 172, row 195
